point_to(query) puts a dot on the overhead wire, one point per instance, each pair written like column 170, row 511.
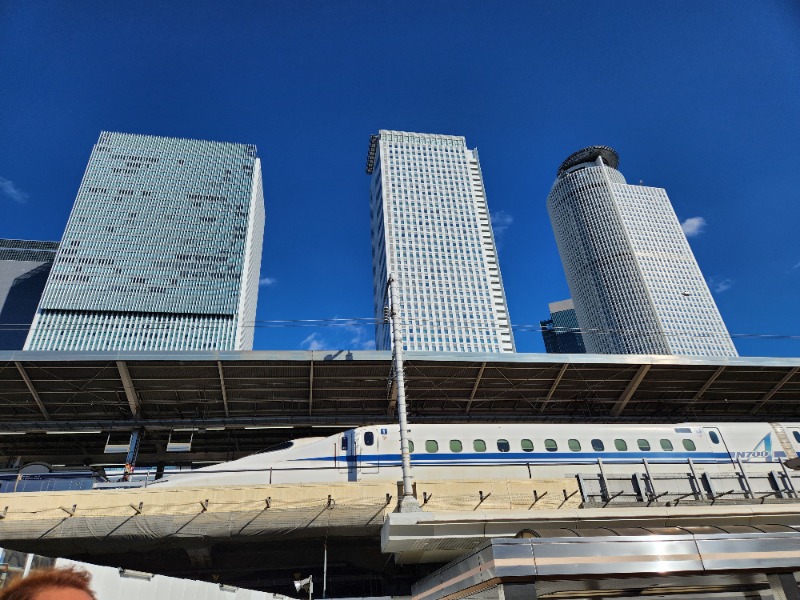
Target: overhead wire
column 156, row 324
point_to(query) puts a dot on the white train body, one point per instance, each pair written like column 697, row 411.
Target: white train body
column 500, row 451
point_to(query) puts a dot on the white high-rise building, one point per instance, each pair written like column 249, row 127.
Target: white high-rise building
column 431, row 230
column 634, row 280
column 162, row 250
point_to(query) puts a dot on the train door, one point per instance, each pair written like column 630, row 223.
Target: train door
column 347, row 452
column 369, row 452
column 716, row 441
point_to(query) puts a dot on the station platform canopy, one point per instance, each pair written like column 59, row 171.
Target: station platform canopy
column 221, row 397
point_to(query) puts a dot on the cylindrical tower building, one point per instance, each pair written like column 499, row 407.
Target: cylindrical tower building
column 634, row 280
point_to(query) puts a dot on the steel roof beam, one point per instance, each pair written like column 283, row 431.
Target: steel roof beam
column 32, row 390
column 392, row 397
column 222, row 387
column 475, row 388
column 554, row 386
column 768, row 396
column 310, row 386
column 629, row 391
column 708, row 383
column 130, row 390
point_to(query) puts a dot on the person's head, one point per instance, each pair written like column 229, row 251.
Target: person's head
column 51, row 584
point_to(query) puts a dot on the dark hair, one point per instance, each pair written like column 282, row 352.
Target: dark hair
column 26, row 588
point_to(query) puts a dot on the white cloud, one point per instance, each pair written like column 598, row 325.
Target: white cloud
column 314, row 342
column 8, row 188
column 359, row 339
column 718, row 285
column 267, row 281
column 693, row 226
column 501, row 221
column 797, row 266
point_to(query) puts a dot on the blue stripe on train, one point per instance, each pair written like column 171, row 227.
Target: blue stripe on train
column 521, row 458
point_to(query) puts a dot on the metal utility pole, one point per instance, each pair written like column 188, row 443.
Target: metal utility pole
column 407, row 502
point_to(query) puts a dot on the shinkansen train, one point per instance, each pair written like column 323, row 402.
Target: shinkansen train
column 492, row 451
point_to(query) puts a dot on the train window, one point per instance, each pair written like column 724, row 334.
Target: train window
column 503, row 445
column 456, row 446
column 796, row 435
column 621, row 445
column 431, row 446
column 643, row 444
column 369, row 438
column 550, row 445
column 344, row 443
column 527, row 445
column 598, row 445
column 666, row 445
column 410, row 446
column 479, row 445
column 689, row 445
column 574, row 445
column 714, row 437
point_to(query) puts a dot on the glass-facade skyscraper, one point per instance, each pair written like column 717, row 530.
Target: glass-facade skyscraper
column 162, row 250
column 431, row 230
column 634, row 280
column 561, row 332
column 24, row 267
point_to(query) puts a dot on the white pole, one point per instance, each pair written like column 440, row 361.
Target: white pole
column 325, row 572
column 28, row 565
column 408, row 503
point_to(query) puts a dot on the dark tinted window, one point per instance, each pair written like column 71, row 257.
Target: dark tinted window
column 344, row 442
column 714, row 437
column 598, row 445
column 369, row 438
column 796, row 435
column 503, row 445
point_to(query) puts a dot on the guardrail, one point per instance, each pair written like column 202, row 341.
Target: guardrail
column 649, row 487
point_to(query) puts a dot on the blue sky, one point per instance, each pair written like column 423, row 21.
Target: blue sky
column 699, row 98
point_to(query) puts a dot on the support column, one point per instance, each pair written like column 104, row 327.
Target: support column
column 407, row 502
column 517, row 591
column 133, row 453
column 783, row 586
